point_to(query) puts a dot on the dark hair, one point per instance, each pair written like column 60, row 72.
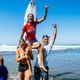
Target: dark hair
column 25, row 46
column 45, row 36
column 30, row 14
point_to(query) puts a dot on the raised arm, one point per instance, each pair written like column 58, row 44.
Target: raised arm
column 21, row 35
column 52, row 39
column 54, row 33
column 45, row 14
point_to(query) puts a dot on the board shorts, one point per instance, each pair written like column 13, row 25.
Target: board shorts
column 22, row 67
column 32, row 41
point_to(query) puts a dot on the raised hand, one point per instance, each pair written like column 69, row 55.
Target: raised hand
column 46, row 7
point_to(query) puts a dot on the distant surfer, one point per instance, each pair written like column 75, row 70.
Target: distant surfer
column 47, row 48
column 23, row 57
column 30, row 29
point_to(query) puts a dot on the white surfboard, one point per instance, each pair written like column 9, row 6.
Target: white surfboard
column 30, row 9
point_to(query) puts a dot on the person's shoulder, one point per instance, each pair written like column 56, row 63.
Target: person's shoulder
column 46, row 47
column 24, row 26
column 5, row 70
column 4, row 67
column 42, row 45
column 37, row 21
column 17, row 50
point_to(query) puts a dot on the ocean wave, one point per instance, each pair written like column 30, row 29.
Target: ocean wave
column 7, row 48
column 63, row 47
column 55, row 47
column 71, row 50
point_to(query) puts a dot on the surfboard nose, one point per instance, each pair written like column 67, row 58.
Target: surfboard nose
column 31, row 8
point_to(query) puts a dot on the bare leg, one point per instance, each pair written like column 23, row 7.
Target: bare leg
column 35, row 45
column 21, row 75
column 41, row 59
column 40, row 50
column 28, row 72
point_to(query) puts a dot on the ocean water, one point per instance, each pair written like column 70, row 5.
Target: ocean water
column 64, row 64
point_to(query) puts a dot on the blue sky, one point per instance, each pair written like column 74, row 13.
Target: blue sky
column 66, row 13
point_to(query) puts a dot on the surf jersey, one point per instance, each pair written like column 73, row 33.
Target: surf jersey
column 30, row 30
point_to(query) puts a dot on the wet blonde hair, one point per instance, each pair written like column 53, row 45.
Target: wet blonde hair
column 22, row 40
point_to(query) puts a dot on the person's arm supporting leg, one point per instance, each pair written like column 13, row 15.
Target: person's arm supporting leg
column 40, row 51
column 41, row 58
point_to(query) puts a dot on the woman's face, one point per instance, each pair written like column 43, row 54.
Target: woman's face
column 22, row 44
column 30, row 18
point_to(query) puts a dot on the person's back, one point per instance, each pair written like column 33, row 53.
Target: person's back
column 3, row 70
